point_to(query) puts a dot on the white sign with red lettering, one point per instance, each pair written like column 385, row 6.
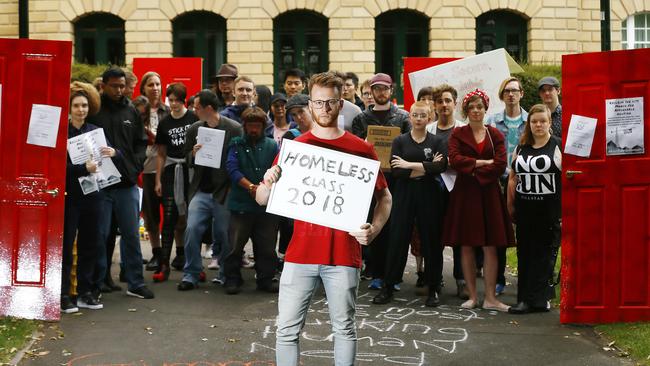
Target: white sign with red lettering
column 323, row 186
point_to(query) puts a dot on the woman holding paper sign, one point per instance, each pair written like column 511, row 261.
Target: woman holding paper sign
column 417, row 160
column 82, row 207
column 476, row 214
column 534, row 192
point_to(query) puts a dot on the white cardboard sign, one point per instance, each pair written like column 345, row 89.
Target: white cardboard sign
column 323, row 186
column 485, row 71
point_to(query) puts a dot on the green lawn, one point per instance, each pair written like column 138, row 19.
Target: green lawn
column 14, row 334
column 632, row 338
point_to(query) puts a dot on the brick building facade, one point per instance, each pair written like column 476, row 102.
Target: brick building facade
column 265, row 36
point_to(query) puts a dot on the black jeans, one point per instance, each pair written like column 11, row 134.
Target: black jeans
column 537, row 247
column 415, row 201
column 170, row 210
column 262, row 229
column 81, row 220
column 376, row 258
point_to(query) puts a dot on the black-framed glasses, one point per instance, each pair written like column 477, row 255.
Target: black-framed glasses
column 511, row 91
column 319, row 104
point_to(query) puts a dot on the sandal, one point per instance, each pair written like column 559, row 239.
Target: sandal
column 469, row 304
column 502, row 308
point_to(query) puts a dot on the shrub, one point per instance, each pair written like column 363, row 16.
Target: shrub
column 86, row 73
column 529, row 79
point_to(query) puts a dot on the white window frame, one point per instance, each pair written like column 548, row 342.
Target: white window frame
column 631, row 29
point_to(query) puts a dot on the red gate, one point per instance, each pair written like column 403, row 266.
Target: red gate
column 606, row 203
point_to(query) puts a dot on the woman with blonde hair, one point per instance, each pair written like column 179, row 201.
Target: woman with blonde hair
column 82, row 207
column 476, row 214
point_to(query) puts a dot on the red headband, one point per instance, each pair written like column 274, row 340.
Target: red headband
column 483, row 95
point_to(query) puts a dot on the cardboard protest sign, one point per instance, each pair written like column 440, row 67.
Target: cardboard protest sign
column 323, row 186
column 381, row 137
column 485, row 71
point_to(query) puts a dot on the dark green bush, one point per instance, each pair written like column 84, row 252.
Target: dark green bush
column 529, row 79
column 86, row 73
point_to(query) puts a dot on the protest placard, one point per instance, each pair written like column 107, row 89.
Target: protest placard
column 485, row 71
column 323, row 186
column 381, row 137
column 624, row 125
column 86, row 147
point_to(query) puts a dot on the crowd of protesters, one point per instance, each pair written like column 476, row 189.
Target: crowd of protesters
column 470, row 184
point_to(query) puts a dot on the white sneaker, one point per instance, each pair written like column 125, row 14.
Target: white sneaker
column 214, row 264
column 88, row 302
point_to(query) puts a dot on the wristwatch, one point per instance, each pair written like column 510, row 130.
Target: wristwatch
column 250, row 187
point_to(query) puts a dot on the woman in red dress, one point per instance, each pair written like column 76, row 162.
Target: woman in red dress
column 477, row 214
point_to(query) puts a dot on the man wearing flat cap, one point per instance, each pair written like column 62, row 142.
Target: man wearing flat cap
column 549, row 92
column 223, row 84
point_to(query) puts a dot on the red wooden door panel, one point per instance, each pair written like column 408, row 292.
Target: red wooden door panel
column 186, row 70
column 31, row 219
column 606, row 208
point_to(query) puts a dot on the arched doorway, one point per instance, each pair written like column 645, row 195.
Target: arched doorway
column 399, row 34
column 502, row 29
column 201, row 34
column 300, row 40
column 99, row 39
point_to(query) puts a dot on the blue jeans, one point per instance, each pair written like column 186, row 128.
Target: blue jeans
column 204, row 210
column 125, row 203
column 297, row 286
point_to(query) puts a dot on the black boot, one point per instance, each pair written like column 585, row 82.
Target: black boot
column 432, row 300
column 179, row 261
column 108, row 281
column 384, row 296
column 420, row 280
column 154, row 262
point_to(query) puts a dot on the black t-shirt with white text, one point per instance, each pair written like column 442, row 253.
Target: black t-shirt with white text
column 538, row 190
column 171, row 133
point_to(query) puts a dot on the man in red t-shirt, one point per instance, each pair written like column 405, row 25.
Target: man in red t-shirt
column 317, row 252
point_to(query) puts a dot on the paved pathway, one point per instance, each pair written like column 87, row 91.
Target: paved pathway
column 206, row 327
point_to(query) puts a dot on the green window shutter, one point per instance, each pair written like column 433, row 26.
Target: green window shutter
column 201, row 34
column 399, row 34
column 99, row 39
column 300, row 40
column 502, row 29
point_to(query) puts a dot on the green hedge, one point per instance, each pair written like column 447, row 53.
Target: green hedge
column 529, row 79
column 86, row 73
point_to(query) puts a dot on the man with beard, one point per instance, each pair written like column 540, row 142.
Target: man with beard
column 249, row 156
column 382, row 113
column 223, row 85
column 317, row 253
